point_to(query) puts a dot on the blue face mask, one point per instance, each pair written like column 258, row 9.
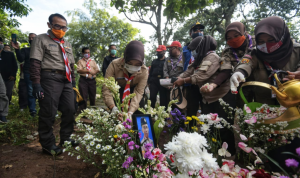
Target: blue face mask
column 194, row 35
column 113, row 52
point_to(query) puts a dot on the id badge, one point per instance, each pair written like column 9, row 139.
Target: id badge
column 273, row 95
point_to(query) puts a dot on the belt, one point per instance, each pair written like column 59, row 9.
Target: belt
column 61, row 72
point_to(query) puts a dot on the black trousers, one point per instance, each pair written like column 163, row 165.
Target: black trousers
column 9, row 84
column 23, row 98
column 87, row 89
column 215, row 107
column 193, row 98
column 156, row 88
column 59, row 95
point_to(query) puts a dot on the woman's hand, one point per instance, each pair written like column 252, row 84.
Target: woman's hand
column 207, row 88
column 293, row 75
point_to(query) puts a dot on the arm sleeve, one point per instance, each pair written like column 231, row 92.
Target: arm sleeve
column 166, row 69
column 106, row 93
column 37, row 49
column 20, row 55
column 247, row 64
column 14, row 66
column 35, row 71
column 208, row 67
column 223, row 76
column 190, row 70
column 139, row 91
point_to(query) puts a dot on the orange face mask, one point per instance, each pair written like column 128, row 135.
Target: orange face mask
column 236, row 42
column 58, row 33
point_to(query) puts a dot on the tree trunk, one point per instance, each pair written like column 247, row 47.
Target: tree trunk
column 158, row 20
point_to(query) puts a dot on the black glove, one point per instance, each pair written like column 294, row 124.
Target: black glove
column 74, row 84
column 38, row 91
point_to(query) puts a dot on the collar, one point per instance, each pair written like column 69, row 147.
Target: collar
column 52, row 35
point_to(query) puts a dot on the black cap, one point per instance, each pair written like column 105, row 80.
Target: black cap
column 1, row 39
column 197, row 24
column 143, row 121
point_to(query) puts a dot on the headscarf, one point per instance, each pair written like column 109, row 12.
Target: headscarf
column 235, row 26
column 202, row 45
column 134, row 50
column 275, row 27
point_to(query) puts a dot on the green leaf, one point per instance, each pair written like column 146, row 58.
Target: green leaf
column 289, row 153
column 275, row 162
column 157, row 130
column 53, row 152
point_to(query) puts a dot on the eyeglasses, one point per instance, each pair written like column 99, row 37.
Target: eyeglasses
column 196, row 29
column 58, row 27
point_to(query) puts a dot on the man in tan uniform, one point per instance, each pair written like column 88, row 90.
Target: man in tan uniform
column 87, row 68
column 146, row 139
column 52, row 75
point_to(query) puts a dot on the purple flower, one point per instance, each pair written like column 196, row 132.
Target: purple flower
column 128, row 126
column 128, row 120
column 177, row 112
column 137, row 147
column 164, row 131
column 148, row 146
column 124, row 123
column 148, row 155
column 168, row 119
column 140, row 135
column 181, row 129
column 131, row 145
column 283, row 177
column 291, row 163
column 128, row 138
column 173, row 114
column 125, row 136
column 183, row 117
column 298, row 151
column 127, row 162
column 169, row 125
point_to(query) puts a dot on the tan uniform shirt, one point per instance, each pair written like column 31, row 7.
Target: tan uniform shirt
column 116, row 69
column 44, row 49
column 257, row 71
column 169, row 71
column 206, row 73
column 81, row 64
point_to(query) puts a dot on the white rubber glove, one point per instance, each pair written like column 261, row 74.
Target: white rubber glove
column 235, row 80
column 114, row 110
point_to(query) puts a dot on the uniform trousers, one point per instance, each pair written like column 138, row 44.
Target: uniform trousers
column 87, row 89
column 215, row 107
column 154, row 88
column 193, row 98
column 58, row 95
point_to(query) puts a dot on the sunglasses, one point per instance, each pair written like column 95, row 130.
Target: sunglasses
column 197, row 29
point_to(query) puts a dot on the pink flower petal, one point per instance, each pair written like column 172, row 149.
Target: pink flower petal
column 225, row 145
column 243, row 137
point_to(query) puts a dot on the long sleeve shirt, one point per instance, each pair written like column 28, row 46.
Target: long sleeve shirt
column 8, row 65
column 23, row 55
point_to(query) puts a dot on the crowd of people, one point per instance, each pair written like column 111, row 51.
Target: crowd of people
column 198, row 74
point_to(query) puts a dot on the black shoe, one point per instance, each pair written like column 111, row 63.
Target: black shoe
column 33, row 114
column 3, row 119
column 55, row 148
column 73, row 142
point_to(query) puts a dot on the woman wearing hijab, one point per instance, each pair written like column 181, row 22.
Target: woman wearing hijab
column 275, row 51
column 131, row 75
column 203, row 71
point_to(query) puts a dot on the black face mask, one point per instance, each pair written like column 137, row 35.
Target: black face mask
column 160, row 56
column 194, row 35
column 30, row 41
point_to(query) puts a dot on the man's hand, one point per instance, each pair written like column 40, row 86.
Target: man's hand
column 235, row 80
column 178, row 82
column 293, row 75
column 11, row 78
column 38, row 91
column 15, row 45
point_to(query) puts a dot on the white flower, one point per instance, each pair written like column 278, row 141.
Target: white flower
column 219, row 126
column 95, row 152
column 205, row 128
column 98, row 146
column 120, row 128
column 223, row 151
column 225, row 168
column 257, row 161
column 92, row 143
column 78, row 157
column 77, row 148
column 103, row 162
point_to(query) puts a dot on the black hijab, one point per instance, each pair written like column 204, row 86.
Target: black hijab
column 275, row 27
column 202, row 44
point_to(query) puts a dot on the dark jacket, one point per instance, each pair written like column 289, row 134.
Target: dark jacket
column 156, row 70
column 8, row 65
column 107, row 60
column 23, row 55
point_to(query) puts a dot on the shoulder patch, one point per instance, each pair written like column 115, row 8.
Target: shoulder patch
column 245, row 61
column 169, row 61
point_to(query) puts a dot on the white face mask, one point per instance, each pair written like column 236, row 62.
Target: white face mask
column 132, row 69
